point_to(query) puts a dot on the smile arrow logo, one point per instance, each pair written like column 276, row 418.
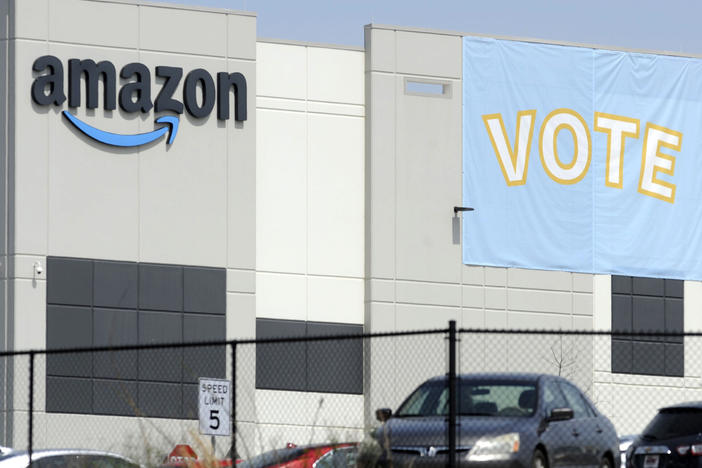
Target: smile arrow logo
column 115, row 139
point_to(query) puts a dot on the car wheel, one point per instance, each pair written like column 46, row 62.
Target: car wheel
column 538, row 460
column 605, row 463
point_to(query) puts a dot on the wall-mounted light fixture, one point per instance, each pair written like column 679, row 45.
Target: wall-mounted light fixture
column 461, row 209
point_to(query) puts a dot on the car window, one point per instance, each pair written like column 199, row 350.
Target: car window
column 674, row 422
column 344, row 457
column 575, row 401
column 553, row 397
column 475, row 398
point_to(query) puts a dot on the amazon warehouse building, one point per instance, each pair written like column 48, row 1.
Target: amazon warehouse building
column 167, row 176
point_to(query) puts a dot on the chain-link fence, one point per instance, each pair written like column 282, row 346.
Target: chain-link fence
column 430, row 397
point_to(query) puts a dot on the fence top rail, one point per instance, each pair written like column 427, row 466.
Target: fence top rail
column 197, row 344
column 355, row 336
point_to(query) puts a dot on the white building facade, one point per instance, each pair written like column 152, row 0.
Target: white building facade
column 327, row 207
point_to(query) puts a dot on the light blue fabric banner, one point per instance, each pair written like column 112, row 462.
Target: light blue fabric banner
column 582, row 160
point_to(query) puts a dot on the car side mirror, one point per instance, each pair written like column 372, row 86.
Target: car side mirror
column 383, row 414
column 560, row 414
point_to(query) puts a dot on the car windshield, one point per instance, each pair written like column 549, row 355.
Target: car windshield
column 475, row 398
column 674, row 422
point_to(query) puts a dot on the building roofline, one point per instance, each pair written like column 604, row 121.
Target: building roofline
column 323, row 45
column 530, row 39
column 178, row 6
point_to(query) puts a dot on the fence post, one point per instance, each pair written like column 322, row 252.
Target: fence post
column 232, row 450
column 31, row 404
column 452, row 395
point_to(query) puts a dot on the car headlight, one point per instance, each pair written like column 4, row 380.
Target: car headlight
column 492, row 447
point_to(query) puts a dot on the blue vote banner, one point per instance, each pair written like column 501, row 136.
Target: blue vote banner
column 583, row 160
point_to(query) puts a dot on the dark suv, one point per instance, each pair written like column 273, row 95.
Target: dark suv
column 515, row 420
column 673, row 438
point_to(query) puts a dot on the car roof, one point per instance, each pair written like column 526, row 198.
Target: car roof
column 688, row 404
column 505, row 376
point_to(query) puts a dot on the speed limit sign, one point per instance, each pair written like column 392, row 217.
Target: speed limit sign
column 214, row 406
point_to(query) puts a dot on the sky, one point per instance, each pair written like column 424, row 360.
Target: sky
column 664, row 25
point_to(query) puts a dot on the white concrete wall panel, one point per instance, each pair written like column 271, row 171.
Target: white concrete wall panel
column 539, row 279
column 4, row 25
column 240, row 29
column 30, row 163
column 281, row 296
column 336, row 75
column 539, row 301
column 380, row 290
column 475, row 297
column 241, row 175
column 183, row 188
column 241, row 281
column 381, row 44
column 412, row 292
column 334, row 299
column 188, row 31
column 31, row 18
column 109, row 24
column 429, row 54
column 29, row 326
column 336, row 202
column 381, row 178
column 281, row 70
column 429, row 131
column 281, row 192
column 93, row 208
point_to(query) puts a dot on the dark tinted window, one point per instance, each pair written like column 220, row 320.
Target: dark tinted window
column 674, row 423
column 113, row 303
column 575, row 401
column 553, row 397
column 475, row 398
column 647, row 305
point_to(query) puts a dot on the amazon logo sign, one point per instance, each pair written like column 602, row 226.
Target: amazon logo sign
column 200, row 94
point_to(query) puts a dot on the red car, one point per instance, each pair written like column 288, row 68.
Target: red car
column 342, row 455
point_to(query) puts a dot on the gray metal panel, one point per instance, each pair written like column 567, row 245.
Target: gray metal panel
column 190, row 401
column 115, row 284
column 674, row 288
column 71, row 281
column 206, row 361
column 621, row 313
column 648, row 358
column 622, row 356
column 675, row 360
column 69, row 327
column 649, row 314
column 160, row 287
column 160, row 364
column 281, row 366
column 649, row 286
column 674, row 319
column 205, row 290
column 335, row 366
column 112, row 327
column 69, row 395
column 160, row 400
column 621, row 284
column 117, row 397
